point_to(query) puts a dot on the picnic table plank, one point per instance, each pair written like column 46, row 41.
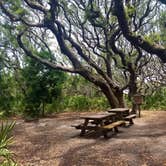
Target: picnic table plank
column 118, row 110
column 97, row 116
column 121, row 112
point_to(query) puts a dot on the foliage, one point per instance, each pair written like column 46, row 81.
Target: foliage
column 78, row 102
column 94, row 15
column 162, row 24
column 5, row 141
column 130, row 11
column 6, row 97
column 156, row 101
column 43, row 85
column 82, row 103
column 100, row 51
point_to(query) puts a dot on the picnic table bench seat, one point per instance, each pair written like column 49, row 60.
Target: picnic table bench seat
column 130, row 118
column 114, row 125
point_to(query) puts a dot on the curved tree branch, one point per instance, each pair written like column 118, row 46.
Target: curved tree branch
column 135, row 39
column 41, row 60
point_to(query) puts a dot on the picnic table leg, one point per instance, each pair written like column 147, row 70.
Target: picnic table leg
column 84, row 127
column 116, row 129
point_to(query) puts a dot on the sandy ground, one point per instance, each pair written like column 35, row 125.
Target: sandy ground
column 53, row 142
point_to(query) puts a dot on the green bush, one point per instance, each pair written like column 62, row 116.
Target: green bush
column 56, row 106
column 99, row 103
column 79, row 103
column 5, row 140
column 156, row 101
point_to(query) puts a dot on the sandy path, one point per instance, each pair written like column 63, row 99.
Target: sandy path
column 52, row 142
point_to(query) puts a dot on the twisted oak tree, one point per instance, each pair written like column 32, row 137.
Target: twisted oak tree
column 93, row 38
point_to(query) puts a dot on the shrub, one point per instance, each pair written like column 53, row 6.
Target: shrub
column 156, row 101
column 5, row 140
column 79, row 103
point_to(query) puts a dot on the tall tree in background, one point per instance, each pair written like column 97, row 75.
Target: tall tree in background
column 93, row 37
column 43, row 85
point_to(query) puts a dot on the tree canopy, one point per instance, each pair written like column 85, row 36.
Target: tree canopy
column 92, row 38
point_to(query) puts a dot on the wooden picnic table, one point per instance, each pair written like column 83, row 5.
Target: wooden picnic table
column 97, row 120
column 121, row 112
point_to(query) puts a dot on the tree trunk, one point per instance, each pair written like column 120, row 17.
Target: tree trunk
column 114, row 97
column 119, row 95
column 133, row 89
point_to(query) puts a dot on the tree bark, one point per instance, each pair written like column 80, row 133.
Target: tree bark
column 132, row 89
column 114, row 96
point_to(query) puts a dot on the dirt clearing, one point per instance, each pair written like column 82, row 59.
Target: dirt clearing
column 52, row 142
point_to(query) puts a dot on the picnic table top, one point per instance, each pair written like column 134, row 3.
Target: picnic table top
column 98, row 116
column 118, row 110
